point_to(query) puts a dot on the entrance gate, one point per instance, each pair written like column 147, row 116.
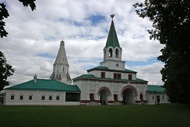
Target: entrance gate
column 129, row 93
column 104, row 93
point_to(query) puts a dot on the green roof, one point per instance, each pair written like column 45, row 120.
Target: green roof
column 92, row 77
column 154, row 88
column 102, row 68
column 112, row 39
column 45, row 85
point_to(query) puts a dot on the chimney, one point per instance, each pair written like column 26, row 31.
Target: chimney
column 35, row 78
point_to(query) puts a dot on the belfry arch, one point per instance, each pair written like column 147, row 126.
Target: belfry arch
column 129, row 93
column 110, row 52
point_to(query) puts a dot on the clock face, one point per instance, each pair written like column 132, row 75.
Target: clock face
column 117, row 65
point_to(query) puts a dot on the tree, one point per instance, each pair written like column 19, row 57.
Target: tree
column 171, row 26
column 4, row 14
column 6, row 70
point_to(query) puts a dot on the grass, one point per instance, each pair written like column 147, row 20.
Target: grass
column 169, row 115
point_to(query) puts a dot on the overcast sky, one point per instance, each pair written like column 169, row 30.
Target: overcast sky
column 34, row 37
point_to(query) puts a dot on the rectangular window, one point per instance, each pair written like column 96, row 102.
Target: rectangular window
column 129, row 77
column 30, row 97
column 163, row 97
column 43, row 98
column 115, row 97
column 152, row 97
column 21, row 97
column 73, row 97
column 92, row 97
column 50, row 97
column 117, row 76
column 12, row 97
column 57, row 98
column 103, row 74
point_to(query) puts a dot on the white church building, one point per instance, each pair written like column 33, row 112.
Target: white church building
column 110, row 83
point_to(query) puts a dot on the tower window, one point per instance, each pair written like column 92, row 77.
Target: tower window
column 110, row 52
column 129, row 77
column 117, row 76
column 116, row 53
column 103, row 74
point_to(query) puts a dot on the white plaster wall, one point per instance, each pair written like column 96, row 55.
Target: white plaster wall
column 111, row 64
column 88, row 87
column 151, row 98
column 36, row 98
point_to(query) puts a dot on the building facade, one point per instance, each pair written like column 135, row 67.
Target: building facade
column 154, row 92
column 110, row 83
column 42, row 92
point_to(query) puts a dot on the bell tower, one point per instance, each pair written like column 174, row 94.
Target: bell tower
column 112, row 50
column 61, row 66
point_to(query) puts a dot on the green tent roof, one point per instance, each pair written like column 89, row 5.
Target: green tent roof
column 112, row 39
column 102, row 68
column 45, row 85
column 92, row 77
column 154, row 88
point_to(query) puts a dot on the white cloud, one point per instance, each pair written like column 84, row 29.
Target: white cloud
column 34, row 33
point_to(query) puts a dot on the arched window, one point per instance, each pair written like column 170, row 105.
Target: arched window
column 116, row 53
column 12, row 97
column 110, row 52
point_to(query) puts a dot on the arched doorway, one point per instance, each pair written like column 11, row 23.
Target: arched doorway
column 129, row 93
column 104, row 93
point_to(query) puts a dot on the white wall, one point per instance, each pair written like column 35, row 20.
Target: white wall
column 151, row 98
column 36, row 98
column 90, row 86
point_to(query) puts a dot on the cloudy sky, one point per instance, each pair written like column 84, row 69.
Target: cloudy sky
column 34, row 37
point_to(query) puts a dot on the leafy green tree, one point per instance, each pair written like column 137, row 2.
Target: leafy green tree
column 171, row 26
column 4, row 14
column 6, row 70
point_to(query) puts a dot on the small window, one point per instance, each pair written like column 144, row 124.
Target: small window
column 152, row 97
column 115, row 97
column 30, row 97
column 50, row 97
column 92, row 97
column 43, row 98
column 57, row 98
column 129, row 77
column 21, row 97
column 12, row 97
column 163, row 97
column 103, row 74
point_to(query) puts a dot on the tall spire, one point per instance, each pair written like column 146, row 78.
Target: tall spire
column 61, row 66
column 113, row 51
column 112, row 39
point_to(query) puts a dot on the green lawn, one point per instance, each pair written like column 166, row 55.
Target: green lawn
column 169, row 115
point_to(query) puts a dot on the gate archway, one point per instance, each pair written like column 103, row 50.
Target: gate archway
column 129, row 93
column 104, row 92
